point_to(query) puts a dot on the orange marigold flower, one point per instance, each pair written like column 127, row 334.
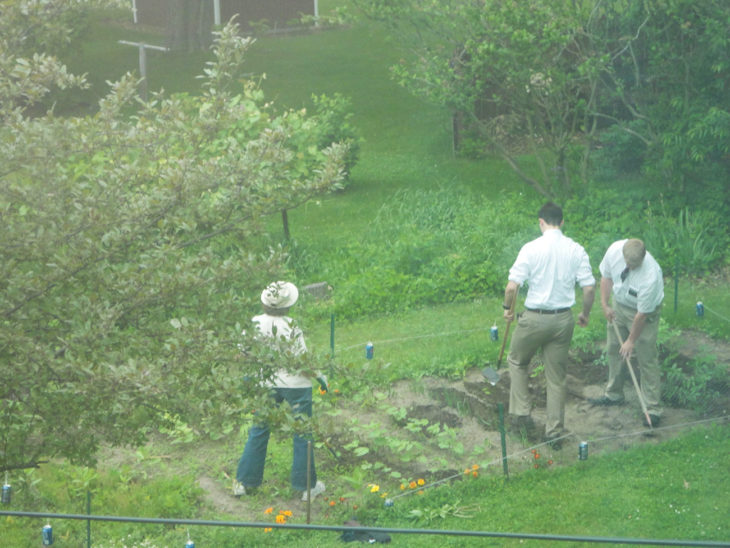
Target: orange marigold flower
column 412, row 485
column 550, row 461
column 269, row 510
column 280, row 519
column 342, row 499
column 421, row 481
column 332, row 503
column 287, row 513
column 268, row 529
column 537, row 455
column 337, row 390
column 475, row 473
column 322, row 392
column 475, row 467
column 402, row 486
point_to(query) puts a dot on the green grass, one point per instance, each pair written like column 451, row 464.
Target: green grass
column 637, row 493
column 674, row 490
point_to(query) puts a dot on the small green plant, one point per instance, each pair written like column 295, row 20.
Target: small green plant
column 429, row 515
column 695, row 382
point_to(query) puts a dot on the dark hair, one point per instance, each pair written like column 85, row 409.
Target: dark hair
column 551, row 213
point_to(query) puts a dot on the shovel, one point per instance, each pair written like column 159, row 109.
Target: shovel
column 633, row 378
column 490, row 373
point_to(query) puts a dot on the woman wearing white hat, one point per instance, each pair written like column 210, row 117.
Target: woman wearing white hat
column 294, row 388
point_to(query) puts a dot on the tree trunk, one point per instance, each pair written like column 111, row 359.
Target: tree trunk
column 189, row 24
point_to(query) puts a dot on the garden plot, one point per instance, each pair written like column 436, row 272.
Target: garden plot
column 435, row 429
column 432, row 429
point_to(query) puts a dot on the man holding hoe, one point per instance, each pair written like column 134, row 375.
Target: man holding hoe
column 552, row 265
column 634, row 278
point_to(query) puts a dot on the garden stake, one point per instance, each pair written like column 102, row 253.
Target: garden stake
column 500, row 407
column 88, row 521
column 633, row 378
column 332, row 334
column 309, row 480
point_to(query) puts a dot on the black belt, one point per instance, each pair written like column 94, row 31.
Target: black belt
column 539, row 311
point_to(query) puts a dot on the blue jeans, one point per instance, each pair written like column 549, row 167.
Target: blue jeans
column 251, row 466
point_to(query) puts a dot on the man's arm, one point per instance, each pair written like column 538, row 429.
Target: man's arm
column 589, row 295
column 510, row 294
column 606, row 290
column 637, row 326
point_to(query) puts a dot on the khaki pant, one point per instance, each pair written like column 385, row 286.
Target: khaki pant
column 552, row 333
column 645, row 359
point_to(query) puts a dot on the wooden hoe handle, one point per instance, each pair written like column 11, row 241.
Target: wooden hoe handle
column 633, row 378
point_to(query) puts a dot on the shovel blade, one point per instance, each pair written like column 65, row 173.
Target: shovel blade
column 491, row 375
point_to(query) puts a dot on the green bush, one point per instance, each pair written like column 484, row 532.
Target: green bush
column 694, row 241
column 335, row 114
column 423, row 247
column 694, row 383
column 691, row 242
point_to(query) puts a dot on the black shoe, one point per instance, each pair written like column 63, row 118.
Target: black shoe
column 655, row 420
column 604, row 400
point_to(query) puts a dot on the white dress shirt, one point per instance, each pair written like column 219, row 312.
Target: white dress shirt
column 552, row 265
column 643, row 288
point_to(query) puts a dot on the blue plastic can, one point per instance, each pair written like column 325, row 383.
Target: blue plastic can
column 494, row 333
column 700, row 309
column 7, row 493
column 47, row 535
column 190, row 544
column 369, row 351
column 583, row 450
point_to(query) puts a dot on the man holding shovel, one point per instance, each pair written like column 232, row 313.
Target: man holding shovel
column 630, row 273
column 551, row 265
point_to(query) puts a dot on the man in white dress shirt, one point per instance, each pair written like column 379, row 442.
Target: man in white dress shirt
column 634, row 278
column 551, row 265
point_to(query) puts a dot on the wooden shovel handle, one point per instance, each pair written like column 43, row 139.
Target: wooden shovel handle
column 506, row 329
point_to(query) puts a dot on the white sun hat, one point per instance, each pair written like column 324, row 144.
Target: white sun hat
column 280, row 295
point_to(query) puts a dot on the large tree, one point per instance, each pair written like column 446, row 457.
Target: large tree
column 546, row 76
column 131, row 245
